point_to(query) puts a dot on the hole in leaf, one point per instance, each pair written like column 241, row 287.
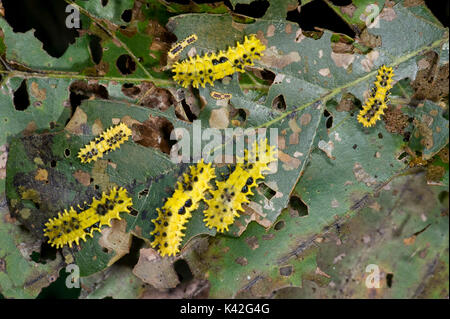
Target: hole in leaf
column 183, row 270
column 127, row 15
column 53, row 163
column 380, row 136
column 133, row 212
column 256, row 9
column 96, row 49
column 286, row 270
column 402, row 155
column 279, row 103
column 440, row 10
column 66, row 152
column 326, row 113
column 266, row 191
column 125, row 64
column 81, row 90
column 298, row 205
column 267, row 75
column 144, row 192
column 389, row 279
column 21, row 98
column 308, row 19
column 239, row 116
column 407, row 136
column 58, row 289
column 329, row 122
column 354, row 146
column 130, row 90
column 131, row 259
column 47, row 253
column 47, row 18
column 187, row 110
column 279, row 225
column 104, row 3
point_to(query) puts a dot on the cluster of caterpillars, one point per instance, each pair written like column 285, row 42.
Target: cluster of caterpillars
column 77, row 223
column 379, row 97
column 226, row 199
column 108, row 141
column 210, row 67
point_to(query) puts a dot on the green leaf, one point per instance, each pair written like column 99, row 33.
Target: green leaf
column 20, row 276
column 112, row 11
column 25, row 49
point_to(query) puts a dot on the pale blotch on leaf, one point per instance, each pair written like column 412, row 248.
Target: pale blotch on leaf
column 82, row 177
column 279, row 61
column 368, row 62
column 76, row 122
column 325, row 72
column 362, row 176
column 342, row 60
column 39, row 94
column 289, row 162
column 41, row 175
column 97, row 127
column 219, row 118
column 299, row 35
column 327, row 148
column 271, row 31
column 388, row 14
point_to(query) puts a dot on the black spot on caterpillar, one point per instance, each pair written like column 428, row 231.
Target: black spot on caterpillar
column 377, row 102
column 109, row 140
column 179, row 46
column 175, row 213
column 210, row 67
column 77, row 223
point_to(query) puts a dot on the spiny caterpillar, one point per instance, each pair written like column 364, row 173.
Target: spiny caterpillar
column 109, row 140
column 221, row 96
column 77, row 223
column 210, row 67
column 230, row 194
column 175, row 213
column 377, row 102
column 179, row 46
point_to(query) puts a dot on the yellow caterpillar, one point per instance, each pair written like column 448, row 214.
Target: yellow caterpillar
column 227, row 199
column 77, row 223
column 377, row 102
column 210, row 67
column 109, row 140
column 179, row 46
column 175, row 213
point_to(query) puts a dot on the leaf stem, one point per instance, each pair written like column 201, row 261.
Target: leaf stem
column 69, row 75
